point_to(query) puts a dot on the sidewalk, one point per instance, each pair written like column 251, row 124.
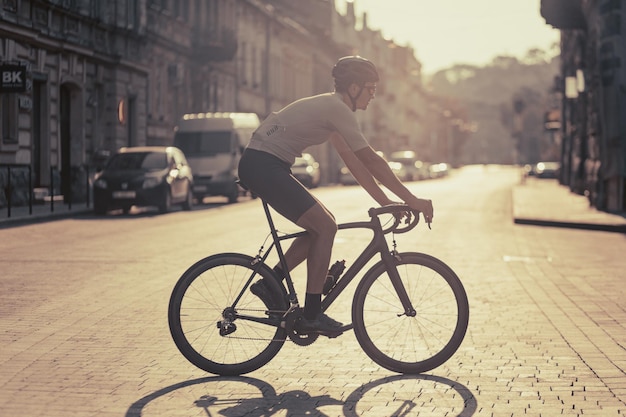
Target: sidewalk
column 545, row 202
column 40, row 212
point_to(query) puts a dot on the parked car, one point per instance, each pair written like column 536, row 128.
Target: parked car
column 144, row 176
column 345, row 176
column 307, row 170
column 401, row 171
column 439, row 170
column 546, row 169
column 407, row 166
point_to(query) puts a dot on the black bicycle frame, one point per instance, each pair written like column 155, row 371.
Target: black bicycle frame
column 378, row 244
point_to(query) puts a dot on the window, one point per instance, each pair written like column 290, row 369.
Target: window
column 9, row 5
column 132, row 14
column 147, row 161
column 181, row 9
column 8, row 118
column 96, row 11
column 243, row 59
column 203, row 143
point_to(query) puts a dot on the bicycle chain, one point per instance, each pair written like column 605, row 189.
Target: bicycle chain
column 269, row 340
column 300, row 340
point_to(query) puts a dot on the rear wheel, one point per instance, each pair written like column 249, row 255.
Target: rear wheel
column 217, row 323
column 411, row 342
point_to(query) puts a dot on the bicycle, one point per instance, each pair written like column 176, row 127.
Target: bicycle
column 409, row 313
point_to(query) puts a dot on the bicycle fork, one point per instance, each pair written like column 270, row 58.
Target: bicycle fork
column 390, row 259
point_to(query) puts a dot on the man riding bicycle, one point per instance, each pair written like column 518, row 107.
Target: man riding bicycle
column 265, row 169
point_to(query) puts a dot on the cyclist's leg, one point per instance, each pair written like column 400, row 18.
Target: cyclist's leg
column 296, row 254
column 271, row 179
column 321, row 227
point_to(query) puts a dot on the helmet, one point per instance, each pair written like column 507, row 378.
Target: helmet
column 354, row 69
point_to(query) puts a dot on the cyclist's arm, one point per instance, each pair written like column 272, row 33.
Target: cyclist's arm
column 379, row 169
column 361, row 174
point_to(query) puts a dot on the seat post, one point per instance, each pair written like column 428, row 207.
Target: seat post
column 293, row 299
column 274, row 232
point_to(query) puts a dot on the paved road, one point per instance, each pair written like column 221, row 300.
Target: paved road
column 83, row 307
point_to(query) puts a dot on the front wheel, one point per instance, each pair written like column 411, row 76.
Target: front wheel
column 217, row 323
column 418, row 341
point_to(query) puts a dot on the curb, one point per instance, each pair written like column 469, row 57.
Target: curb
column 615, row 228
column 40, row 218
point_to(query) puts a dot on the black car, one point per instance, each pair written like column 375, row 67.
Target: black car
column 144, row 176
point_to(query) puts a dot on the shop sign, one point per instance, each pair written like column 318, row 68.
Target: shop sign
column 12, row 78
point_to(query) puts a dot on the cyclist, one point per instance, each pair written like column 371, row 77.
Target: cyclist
column 265, row 169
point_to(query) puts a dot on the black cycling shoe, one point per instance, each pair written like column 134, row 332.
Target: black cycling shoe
column 260, row 289
column 322, row 324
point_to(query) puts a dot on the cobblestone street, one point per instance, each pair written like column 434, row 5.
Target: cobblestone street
column 84, row 328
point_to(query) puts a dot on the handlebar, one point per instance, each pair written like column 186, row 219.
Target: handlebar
column 400, row 211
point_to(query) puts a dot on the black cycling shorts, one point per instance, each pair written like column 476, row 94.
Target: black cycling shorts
column 270, row 178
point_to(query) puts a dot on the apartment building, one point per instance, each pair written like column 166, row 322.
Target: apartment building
column 99, row 75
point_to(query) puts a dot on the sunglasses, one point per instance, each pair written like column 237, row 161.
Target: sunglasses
column 370, row 89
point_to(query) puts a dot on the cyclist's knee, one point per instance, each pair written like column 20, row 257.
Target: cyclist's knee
column 318, row 221
column 329, row 228
column 326, row 227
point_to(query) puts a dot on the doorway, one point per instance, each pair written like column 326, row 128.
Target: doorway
column 65, row 126
column 40, row 151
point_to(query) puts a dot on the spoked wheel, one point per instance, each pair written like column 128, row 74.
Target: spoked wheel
column 419, row 341
column 213, row 332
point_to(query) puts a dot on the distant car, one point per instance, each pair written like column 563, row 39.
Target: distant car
column 401, row 171
column 439, row 170
column 546, row 169
column 144, row 176
column 307, row 170
column 407, row 166
column 345, row 176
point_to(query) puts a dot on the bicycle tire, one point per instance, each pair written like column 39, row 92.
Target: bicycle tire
column 198, row 303
column 411, row 345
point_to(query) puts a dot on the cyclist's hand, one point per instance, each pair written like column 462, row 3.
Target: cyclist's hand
column 398, row 215
column 423, row 206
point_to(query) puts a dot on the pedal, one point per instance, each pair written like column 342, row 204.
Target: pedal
column 346, row 327
column 339, row 332
column 226, row 327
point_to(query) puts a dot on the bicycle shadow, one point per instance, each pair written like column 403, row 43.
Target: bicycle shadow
column 213, row 396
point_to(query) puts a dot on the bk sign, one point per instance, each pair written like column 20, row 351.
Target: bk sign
column 12, row 78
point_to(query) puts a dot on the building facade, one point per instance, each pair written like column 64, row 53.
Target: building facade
column 593, row 91
column 100, row 75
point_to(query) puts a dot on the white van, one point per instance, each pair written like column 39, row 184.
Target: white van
column 213, row 143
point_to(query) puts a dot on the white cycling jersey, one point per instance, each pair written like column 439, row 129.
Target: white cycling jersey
column 307, row 122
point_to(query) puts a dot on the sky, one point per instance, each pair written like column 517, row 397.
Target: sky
column 447, row 32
